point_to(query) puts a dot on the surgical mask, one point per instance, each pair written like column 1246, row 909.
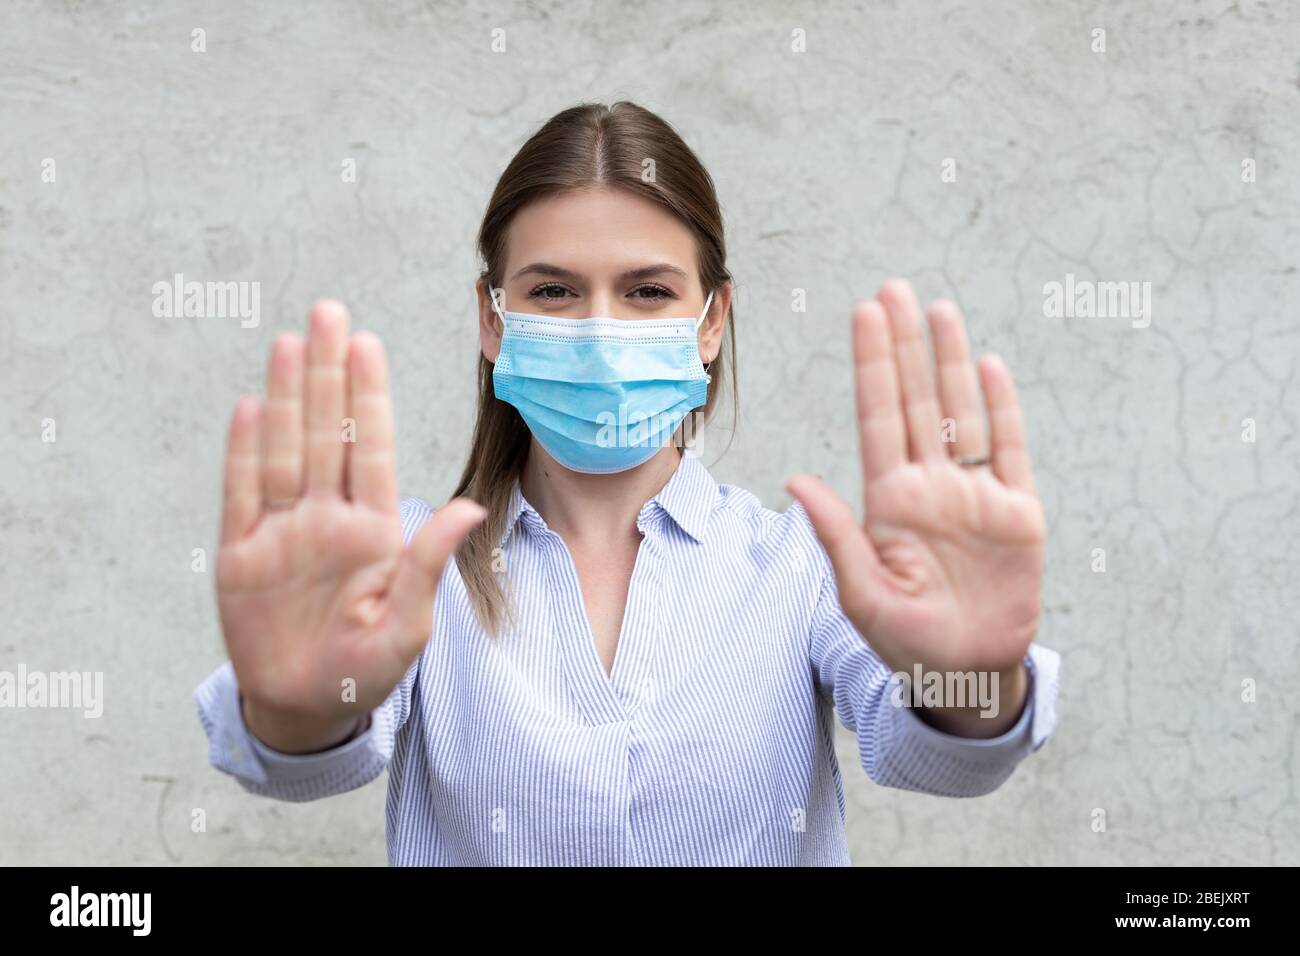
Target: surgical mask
column 600, row 395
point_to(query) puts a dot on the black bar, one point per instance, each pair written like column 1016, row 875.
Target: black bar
column 385, row 907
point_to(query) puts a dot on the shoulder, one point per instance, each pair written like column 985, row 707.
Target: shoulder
column 413, row 512
column 781, row 537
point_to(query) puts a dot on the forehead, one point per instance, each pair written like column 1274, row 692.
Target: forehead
column 598, row 231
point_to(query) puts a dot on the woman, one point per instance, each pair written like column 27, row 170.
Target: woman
column 626, row 663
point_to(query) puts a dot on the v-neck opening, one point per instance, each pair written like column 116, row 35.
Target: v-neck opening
column 585, row 661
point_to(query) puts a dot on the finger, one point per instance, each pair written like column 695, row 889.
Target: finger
column 882, row 436
column 327, row 347
column 1010, row 455
column 372, row 478
column 854, row 558
column 959, row 393
column 282, row 440
column 241, row 502
column 420, row 570
column 915, row 372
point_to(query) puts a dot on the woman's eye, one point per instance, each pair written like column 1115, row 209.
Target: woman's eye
column 652, row 293
column 548, row 291
column 554, row 292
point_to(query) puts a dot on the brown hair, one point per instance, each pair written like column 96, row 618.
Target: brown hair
column 589, row 145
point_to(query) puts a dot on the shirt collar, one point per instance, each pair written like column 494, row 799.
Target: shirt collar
column 688, row 498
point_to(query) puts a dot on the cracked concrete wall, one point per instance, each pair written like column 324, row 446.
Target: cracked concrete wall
column 1169, row 158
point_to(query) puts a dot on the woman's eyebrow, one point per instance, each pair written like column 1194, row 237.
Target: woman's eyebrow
column 546, row 269
column 658, row 268
column 643, row 272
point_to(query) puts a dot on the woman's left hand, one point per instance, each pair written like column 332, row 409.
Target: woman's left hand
column 946, row 569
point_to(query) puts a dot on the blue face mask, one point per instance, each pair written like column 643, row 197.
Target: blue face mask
column 601, row 395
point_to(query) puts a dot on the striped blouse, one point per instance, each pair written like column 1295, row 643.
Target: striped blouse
column 710, row 743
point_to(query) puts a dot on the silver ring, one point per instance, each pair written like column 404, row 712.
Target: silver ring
column 972, row 461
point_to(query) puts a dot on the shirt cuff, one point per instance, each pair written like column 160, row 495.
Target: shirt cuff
column 234, row 749
column 985, row 761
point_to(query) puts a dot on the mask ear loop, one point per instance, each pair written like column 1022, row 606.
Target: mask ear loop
column 704, row 314
column 497, row 309
column 698, row 323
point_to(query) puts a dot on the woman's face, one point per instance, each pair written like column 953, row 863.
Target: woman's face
column 602, row 252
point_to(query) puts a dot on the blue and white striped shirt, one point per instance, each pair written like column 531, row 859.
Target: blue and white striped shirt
column 710, row 743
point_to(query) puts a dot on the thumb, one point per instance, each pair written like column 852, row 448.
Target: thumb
column 420, row 569
column 854, row 558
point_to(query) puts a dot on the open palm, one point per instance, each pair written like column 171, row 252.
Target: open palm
column 945, row 570
column 322, row 608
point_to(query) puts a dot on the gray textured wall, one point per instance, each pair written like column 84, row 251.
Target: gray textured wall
column 1125, row 165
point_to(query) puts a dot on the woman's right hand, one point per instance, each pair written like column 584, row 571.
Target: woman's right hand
column 322, row 608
